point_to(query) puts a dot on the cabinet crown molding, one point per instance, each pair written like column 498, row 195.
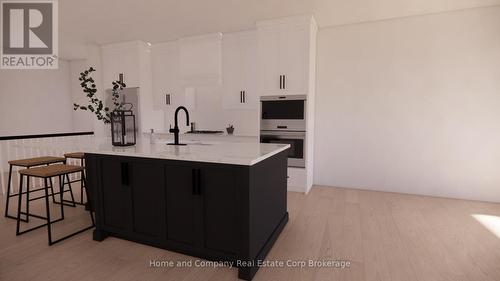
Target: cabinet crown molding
column 294, row 20
column 126, row 44
column 204, row 37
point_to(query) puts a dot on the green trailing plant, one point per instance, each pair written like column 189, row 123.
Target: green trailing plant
column 96, row 105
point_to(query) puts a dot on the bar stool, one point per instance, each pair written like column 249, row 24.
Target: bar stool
column 79, row 156
column 29, row 163
column 46, row 173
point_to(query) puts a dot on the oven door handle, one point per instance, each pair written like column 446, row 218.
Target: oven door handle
column 286, row 134
column 283, row 137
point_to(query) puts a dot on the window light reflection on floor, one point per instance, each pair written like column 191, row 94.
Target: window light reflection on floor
column 492, row 223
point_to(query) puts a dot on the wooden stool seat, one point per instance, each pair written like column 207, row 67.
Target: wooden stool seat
column 75, row 155
column 37, row 161
column 51, row 171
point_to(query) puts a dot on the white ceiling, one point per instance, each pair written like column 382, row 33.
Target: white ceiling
column 106, row 21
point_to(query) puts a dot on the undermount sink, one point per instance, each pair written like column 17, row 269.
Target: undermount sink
column 193, row 142
column 198, row 143
column 206, row 132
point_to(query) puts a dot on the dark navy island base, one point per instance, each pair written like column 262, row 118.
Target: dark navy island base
column 218, row 212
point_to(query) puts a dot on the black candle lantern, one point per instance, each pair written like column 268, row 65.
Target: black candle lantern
column 123, row 131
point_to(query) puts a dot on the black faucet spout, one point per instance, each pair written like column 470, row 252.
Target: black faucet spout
column 177, row 113
column 176, row 130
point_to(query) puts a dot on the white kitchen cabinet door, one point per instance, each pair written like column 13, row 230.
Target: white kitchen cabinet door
column 284, row 57
column 239, row 68
column 250, row 70
column 269, row 58
column 232, row 76
column 200, row 60
column 294, row 59
column 165, row 75
column 121, row 58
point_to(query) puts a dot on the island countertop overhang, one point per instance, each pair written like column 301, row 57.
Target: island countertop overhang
column 240, row 153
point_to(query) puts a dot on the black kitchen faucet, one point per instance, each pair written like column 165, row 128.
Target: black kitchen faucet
column 175, row 130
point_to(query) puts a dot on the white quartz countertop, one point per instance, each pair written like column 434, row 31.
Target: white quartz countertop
column 235, row 150
column 234, row 153
column 224, row 149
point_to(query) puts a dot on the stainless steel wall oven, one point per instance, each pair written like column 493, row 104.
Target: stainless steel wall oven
column 283, row 120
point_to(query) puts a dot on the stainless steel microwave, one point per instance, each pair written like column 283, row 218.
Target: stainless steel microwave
column 283, row 113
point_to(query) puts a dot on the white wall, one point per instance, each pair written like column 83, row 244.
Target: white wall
column 93, row 58
column 82, row 120
column 411, row 105
column 35, row 101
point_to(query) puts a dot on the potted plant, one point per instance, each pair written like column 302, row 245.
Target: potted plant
column 96, row 105
column 230, row 129
column 123, row 130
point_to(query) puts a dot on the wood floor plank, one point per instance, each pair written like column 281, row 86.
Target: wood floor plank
column 371, row 233
column 396, row 252
column 429, row 255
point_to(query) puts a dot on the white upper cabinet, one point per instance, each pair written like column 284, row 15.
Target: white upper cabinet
column 121, row 58
column 295, row 58
column 269, row 59
column 200, row 60
column 285, row 54
column 167, row 91
column 239, row 70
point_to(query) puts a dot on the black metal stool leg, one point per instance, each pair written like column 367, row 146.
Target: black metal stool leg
column 81, row 195
column 19, row 205
column 27, row 198
column 88, row 200
column 8, row 193
column 52, row 191
column 71, row 190
column 48, row 211
column 61, row 194
column 82, row 182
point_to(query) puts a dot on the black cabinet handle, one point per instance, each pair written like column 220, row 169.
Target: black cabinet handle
column 198, row 180
column 167, row 99
column 282, row 127
column 281, row 82
column 193, row 180
column 284, row 81
column 125, row 173
column 241, row 96
column 244, row 97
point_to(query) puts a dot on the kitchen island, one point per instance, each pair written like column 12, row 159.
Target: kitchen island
column 217, row 201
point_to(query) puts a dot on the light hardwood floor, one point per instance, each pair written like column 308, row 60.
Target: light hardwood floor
column 385, row 236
